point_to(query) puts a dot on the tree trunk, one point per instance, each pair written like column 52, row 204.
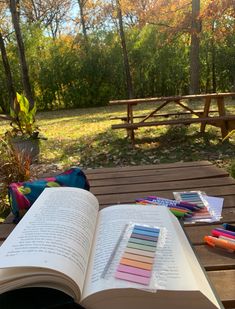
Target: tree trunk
column 214, row 84
column 233, row 87
column 194, row 49
column 124, row 51
column 9, row 80
column 213, row 56
column 14, row 8
column 233, row 82
column 81, row 4
column 207, row 89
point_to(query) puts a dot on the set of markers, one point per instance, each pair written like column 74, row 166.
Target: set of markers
column 204, row 212
column 181, row 209
column 222, row 237
column 191, row 206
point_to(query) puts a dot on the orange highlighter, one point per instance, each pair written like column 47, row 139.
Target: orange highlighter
column 221, row 243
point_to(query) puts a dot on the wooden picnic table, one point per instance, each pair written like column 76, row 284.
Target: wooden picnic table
column 220, row 118
column 125, row 184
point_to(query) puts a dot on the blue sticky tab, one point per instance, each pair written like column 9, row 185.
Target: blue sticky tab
column 145, row 228
column 148, row 233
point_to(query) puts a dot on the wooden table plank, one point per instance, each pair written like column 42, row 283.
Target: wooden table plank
column 228, row 215
column 188, row 173
column 229, row 200
column 174, row 185
column 224, row 283
column 157, row 178
column 5, row 230
column 105, row 170
column 131, row 197
column 215, row 258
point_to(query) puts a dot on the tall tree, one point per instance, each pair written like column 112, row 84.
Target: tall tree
column 52, row 14
column 81, row 4
column 7, row 69
column 91, row 16
column 194, row 48
column 218, row 21
column 213, row 56
column 124, row 51
column 14, row 9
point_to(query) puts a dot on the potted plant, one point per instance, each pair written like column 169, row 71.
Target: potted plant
column 24, row 135
column 14, row 168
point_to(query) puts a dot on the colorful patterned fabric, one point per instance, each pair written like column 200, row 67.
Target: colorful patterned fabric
column 23, row 194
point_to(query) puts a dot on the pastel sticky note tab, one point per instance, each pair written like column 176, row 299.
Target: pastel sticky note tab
column 193, row 197
column 145, row 228
column 136, row 264
column 147, row 233
column 132, row 278
column 134, row 271
column 140, row 252
column 143, row 242
column 137, row 260
column 141, row 247
column 136, row 257
column 145, row 237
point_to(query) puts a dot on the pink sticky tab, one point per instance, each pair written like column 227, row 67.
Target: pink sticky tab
column 132, row 278
column 134, row 271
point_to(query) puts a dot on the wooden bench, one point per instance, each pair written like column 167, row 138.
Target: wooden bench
column 216, row 121
column 225, row 122
column 164, row 115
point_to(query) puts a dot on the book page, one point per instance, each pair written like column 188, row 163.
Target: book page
column 172, row 266
column 56, row 233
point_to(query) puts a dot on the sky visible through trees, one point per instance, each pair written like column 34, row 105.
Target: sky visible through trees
column 81, row 53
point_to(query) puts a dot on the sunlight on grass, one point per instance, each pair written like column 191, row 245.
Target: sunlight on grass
column 84, row 137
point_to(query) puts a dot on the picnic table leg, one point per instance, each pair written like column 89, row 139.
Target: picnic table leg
column 222, row 112
column 130, row 132
column 205, row 113
column 132, row 136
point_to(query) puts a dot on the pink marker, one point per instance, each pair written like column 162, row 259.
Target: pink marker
column 218, row 233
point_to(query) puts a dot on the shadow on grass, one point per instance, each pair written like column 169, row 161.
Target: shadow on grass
column 184, row 143
column 111, row 148
column 72, row 120
column 80, row 112
column 179, row 134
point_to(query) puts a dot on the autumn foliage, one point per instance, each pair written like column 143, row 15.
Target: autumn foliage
column 75, row 56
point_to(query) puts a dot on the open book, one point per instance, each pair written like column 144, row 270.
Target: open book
column 64, row 242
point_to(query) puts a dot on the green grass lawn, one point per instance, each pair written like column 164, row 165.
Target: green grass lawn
column 84, row 137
